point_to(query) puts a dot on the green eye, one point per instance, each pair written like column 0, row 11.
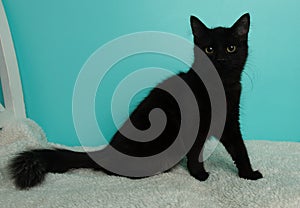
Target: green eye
column 209, row 50
column 231, row 49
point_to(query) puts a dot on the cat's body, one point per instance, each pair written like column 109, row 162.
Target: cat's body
column 227, row 48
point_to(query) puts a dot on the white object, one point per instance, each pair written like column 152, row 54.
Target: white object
column 9, row 73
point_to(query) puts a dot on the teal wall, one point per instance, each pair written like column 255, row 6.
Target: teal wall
column 53, row 39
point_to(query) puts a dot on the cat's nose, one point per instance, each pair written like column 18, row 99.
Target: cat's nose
column 221, row 60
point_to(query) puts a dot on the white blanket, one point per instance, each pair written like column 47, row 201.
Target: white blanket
column 278, row 161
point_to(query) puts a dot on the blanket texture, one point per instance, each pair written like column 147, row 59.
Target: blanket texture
column 278, row 161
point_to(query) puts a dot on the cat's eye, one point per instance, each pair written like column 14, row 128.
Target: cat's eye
column 231, row 49
column 209, row 50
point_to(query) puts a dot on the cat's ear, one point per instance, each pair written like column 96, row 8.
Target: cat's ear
column 198, row 28
column 241, row 26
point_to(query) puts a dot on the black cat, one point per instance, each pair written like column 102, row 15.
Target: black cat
column 227, row 48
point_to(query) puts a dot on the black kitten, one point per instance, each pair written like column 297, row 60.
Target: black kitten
column 227, row 48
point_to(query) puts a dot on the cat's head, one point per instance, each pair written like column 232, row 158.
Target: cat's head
column 227, row 48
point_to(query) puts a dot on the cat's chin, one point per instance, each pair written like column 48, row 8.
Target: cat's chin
column 230, row 79
column 229, row 84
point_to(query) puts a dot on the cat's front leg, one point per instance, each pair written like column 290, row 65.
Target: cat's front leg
column 234, row 144
column 195, row 161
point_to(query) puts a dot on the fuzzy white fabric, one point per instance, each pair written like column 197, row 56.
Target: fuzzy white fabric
column 278, row 161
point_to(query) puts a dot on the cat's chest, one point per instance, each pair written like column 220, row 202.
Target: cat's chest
column 232, row 99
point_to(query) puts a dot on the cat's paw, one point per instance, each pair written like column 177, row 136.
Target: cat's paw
column 201, row 176
column 254, row 175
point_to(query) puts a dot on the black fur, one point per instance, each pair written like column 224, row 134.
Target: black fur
column 29, row 168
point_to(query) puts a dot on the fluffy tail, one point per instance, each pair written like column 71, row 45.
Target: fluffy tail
column 29, row 168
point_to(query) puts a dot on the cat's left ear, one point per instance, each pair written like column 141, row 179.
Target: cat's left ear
column 241, row 26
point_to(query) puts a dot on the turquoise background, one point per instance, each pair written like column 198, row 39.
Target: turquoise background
column 53, row 39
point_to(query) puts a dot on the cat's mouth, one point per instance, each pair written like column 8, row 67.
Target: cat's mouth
column 221, row 64
column 225, row 68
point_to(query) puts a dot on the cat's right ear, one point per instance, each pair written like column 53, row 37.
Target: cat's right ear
column 198, row 28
